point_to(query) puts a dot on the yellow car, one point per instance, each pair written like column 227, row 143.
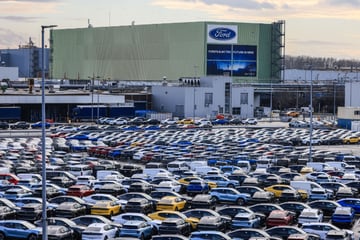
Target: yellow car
column 186, row 181
column 162, row 215
column 351, row 139
column 106, row 208
column 186, row 121
column 171, row 203
column 277, row 189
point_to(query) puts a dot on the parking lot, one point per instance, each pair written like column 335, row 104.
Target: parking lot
column 127, row 150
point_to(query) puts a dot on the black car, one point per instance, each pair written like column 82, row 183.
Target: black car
column 112, row 189
column 203, row 201
column 4, row 125
column 51, row 192
column 212, row 223
column 327, row 206
column 73, row 199
column 31, row 212
column 265, row 208
column 20, row 125
column 332, row 141
column 129, row 169
column 289, row 195
column 7, row 213
column 139, row 205
column 174, row 226
column 295, row 207
column 70, row 210
column 140, row 187
column 262, row 197
column 283, row 231
column 55, row 232
column 77, row 230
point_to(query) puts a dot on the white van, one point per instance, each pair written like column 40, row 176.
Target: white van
column 263, row 163
column 304, row 185
column 194, row 164
column 244, row 165
column 319, row 166
column 80, row 170
column 177, row 166
column 205, row 169
column 35, row 176
column 152, row 172
column 102, row 174
column 337, row 165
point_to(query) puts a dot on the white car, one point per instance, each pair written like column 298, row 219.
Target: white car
column 124, row 217
column 118, row 121
column 92, row 199
column 99, row 231
column 172, row 186
column 309, row 215
column 322, row 229
column 251, row 121
column 86, row 180
column 169, row 121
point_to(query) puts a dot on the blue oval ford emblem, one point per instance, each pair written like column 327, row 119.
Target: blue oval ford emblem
column 222, row 34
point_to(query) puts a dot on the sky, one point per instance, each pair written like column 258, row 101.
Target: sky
column 317, row 28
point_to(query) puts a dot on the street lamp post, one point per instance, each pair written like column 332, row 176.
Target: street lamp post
column 311, row 114
column 43, row 135
column 334, row 110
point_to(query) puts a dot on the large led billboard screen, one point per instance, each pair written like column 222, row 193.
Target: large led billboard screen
column 232, row 60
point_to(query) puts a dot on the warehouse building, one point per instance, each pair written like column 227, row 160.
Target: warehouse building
column 246, row 52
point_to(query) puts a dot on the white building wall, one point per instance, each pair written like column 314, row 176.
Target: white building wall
column 11, row 73
column 166, row 98
column 352, row 97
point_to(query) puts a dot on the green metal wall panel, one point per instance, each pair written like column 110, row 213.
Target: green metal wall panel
column 149, row 52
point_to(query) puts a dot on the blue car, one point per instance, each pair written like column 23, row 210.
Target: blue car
column 245, row 220
column 230, row 195
column 222, row 181
column 209, row 235
column 343, row 217
column 197, row 186
column 18, row 229
column 137, row 229
column 354, row 203
column 39, row 125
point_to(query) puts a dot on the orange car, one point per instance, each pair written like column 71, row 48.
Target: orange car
column 293, row 114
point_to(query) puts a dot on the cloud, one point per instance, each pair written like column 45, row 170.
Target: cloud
column 29, row 1
column 20, row 18
column 8, row 38
column 354, row 3
column 248, row 4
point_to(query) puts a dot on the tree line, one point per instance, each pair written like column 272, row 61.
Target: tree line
column 319, row 63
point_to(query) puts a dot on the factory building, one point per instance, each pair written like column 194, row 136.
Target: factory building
column 246, row 52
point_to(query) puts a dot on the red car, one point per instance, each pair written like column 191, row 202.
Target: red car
column 80, row 191
column 279, row 218
column 11, row 178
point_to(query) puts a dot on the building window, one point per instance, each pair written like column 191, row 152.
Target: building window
column 236, row 111
column 208, row 99
column 357, row 112
column 244, row 98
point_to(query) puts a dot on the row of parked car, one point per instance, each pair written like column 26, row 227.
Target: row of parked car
column 220, row 200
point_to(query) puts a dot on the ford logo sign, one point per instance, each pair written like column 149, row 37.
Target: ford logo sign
column 222, row 34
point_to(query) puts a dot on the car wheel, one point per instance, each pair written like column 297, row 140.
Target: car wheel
column 32, row 237
column 240, row 201
column 176, row 209
column 142, row 237
column 2, row 236
column 216, row 199
column 231, row 186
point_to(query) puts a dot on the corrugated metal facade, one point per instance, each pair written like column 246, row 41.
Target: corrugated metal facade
column 149, row 52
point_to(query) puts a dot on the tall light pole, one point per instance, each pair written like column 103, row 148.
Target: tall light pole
column 43, row 135
column 334, row 110
column 311, row 114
